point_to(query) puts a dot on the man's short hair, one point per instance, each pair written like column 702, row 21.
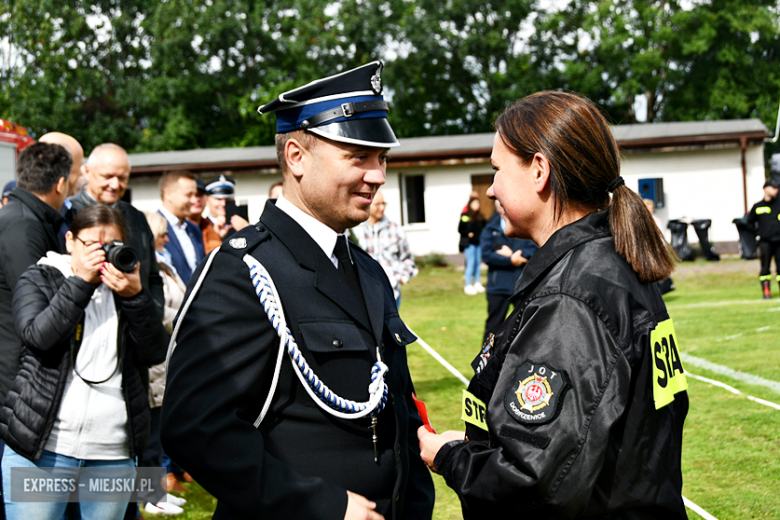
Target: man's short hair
column 171, row 177
column 41, row 165
column 106, row 147
column 307, row 139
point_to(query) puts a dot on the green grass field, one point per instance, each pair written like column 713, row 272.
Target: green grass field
column 731, row 453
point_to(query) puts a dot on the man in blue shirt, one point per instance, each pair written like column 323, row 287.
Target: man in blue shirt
column 505, row 258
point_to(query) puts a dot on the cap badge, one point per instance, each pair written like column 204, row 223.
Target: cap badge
column 237, row 243
column 376, row 82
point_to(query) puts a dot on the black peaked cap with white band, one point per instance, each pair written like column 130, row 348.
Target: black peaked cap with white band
column 347, row 107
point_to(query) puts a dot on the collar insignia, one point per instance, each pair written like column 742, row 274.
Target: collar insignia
column 237, row 243
column 537, row 395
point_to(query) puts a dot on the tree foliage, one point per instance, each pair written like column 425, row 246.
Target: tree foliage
column 181, row 74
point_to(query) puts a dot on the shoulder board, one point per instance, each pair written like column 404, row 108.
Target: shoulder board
column 465, row 218
column 245, row 240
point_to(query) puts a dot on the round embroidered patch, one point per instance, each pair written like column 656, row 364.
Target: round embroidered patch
column 537, row 394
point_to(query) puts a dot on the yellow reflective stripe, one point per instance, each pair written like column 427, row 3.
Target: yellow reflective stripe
column 668, row 374
column 763, row 209
column 474, row 410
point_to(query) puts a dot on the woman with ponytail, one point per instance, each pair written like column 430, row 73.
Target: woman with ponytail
column 577, row 405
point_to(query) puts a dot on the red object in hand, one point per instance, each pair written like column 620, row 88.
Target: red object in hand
column 423, row 411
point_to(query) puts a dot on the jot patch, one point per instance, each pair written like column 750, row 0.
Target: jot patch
column 536, row 394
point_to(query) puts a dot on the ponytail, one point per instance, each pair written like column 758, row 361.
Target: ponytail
column 637, row 237
column 584, row 168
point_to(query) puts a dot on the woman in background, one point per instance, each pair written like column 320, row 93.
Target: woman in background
column 470, row 228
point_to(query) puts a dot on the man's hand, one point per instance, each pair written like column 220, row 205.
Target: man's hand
column 221, row 226
column 238, row 222
column 518, row 259
column 505, row 251
column 360, row 508
column 431, row 443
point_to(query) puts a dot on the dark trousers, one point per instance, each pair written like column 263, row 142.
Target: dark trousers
column 767, row 250
column 498, row 305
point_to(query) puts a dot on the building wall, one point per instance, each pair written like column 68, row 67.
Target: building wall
column 701, row 184
column 697, row 184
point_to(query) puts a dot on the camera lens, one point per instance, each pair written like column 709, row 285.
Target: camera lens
column 121, row 256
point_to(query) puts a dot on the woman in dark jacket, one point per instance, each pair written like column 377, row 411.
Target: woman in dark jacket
column 577, row 409
column 94, row 412
column 470, row 228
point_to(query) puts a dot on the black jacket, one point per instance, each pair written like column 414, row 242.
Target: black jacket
column 764, row 217
column 502, row 275
column 300, row 461
column 47, row 307
column 28, row 229
column 139, row 237
column 573, row 431
column 468, row 225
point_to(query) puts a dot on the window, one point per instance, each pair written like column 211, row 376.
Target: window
column 413, row 198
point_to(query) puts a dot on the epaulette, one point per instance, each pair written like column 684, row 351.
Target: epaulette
column 245, row 240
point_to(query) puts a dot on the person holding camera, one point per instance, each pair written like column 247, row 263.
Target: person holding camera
column 582, row 397
column 89, row 329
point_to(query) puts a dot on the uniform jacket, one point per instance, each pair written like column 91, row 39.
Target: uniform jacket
column 598, row 448
column 300, row 461
column 502, row 275
column 139, row 237
column 386, row 242
column 28, row 229
column 764, row 217
column 177, row 253
column 47, row 307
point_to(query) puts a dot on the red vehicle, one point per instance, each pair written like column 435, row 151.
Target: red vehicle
column 13, row 138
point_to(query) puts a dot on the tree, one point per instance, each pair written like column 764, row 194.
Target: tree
column 458, row 65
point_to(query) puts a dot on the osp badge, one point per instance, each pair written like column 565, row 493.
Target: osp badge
column 537, row 395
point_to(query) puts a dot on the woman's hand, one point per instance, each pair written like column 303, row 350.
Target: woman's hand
column 431, row 443
column 125, row 285
column 88, row 265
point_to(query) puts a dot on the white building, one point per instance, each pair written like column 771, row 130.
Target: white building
column 707, row 170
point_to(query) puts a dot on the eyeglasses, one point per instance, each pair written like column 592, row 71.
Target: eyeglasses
column 381, row 204
column 86, row 244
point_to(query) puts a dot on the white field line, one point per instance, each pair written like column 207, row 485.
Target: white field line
column 730, row 372
column 733, row 390
column 437, row 357
column 454, row 371
column 699, row 511
column 719, row 304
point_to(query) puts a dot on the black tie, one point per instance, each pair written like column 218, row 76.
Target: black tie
column 346, row 268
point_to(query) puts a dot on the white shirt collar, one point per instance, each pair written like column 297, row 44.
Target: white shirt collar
column 323, row 235
column 170, row 217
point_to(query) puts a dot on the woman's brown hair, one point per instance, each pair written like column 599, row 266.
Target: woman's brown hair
column 584, row 159
column 98, row 215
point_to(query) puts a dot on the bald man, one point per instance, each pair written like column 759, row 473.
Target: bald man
column 76, row 153
column 107, row 173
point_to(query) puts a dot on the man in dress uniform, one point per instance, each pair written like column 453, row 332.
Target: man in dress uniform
column 302, row 461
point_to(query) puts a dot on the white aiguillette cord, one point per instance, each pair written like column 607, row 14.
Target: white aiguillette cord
column 317, row 390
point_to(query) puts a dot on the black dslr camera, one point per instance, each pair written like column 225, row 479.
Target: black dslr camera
column 121, row 256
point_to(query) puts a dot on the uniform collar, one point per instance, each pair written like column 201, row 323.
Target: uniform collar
column 324, row 236
column 590, row 227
